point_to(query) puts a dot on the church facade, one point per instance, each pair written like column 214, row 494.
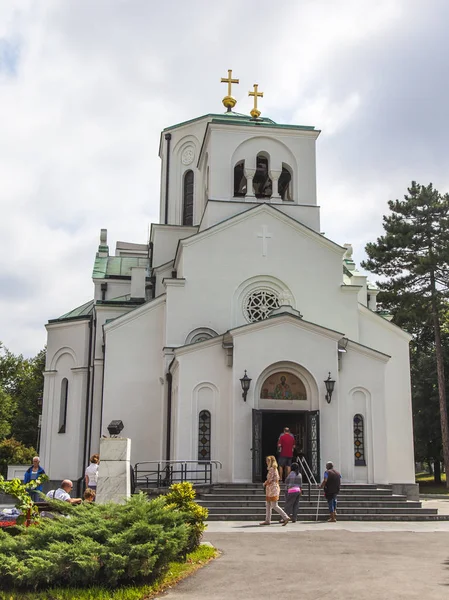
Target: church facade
column 237, row 282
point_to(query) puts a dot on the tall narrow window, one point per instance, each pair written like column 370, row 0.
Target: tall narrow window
column 359, row 441
column 204, row 423
column 285, row 184
column 263, row 186
column 239, row 180
column 187, row 208
column 63, row 405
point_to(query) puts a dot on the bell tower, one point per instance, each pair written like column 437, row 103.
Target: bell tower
column 236, row 158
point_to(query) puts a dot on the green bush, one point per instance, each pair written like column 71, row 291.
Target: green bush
column 13, row 452
column 106, row 544
column 182, row 497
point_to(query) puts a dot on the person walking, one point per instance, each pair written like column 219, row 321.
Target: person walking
column 293, row 491
column 286, row 446
column 331, row 484
column 91, row 473
column 31, row 474
column 272, row 491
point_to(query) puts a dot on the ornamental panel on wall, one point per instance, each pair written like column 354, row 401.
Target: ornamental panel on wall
column 283, row 386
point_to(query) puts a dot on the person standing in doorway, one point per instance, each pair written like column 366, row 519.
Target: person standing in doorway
column 272, row 491
column 286, row 446
column 331, row 484
column 31, row 474
column 293, row 491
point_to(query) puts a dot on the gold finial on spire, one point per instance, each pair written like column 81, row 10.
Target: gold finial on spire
column 255, row 113
column 228, row 101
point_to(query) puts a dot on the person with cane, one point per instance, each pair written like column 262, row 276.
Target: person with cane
column 331, row 484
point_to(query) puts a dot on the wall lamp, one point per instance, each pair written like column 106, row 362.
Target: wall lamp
column 246, row 382
column 115, row 427
column 330, row 384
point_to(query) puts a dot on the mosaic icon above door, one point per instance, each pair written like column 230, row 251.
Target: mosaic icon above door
column 283, row 386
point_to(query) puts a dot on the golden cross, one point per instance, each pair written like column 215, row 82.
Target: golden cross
column 228, row 101
column 255, row 112
column 229, row 81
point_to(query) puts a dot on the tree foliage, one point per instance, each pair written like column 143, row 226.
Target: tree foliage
column 13, row 452
column 413, row 258
column 21, row 389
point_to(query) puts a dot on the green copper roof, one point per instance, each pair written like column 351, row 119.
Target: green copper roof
column 81, row 312
column 233, row 118
column 116, row 266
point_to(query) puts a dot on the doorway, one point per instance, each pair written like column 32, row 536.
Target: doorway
column 268, row 426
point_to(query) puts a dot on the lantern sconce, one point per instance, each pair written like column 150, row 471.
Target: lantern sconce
column 330, row 384
column 246, row 382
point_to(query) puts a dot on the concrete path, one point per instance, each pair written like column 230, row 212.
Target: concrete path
column 310, row 562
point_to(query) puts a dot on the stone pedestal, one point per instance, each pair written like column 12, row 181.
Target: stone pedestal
column 114, row 476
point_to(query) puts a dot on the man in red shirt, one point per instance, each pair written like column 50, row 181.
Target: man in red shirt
column 286, row 445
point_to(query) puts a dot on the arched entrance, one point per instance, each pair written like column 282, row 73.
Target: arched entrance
column 287, row 395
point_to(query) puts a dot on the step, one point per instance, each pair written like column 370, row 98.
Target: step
column 304, row 498
column 347, row 517
column 261, row 491
column 341, row 511
column 367, row 486
column 213, row 503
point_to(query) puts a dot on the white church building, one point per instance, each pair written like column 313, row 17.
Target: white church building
column 235, row 279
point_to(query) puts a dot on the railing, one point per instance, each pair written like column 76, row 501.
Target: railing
column 162, row 473
column 307, row 471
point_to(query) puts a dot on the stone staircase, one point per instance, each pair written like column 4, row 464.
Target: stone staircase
column 356, row 502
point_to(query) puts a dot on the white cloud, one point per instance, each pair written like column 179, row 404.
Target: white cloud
column 94, row 83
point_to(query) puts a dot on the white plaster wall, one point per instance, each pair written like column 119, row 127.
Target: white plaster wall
column 218, row 210
column 275, row 343
column 132, row 388
column 116, row 288
column 165, row 240
column 67, row 357
column 188, row 135
column 202, row 383
column 227, row 145
column 362, row 374
column 215, row 265
column 386, row 337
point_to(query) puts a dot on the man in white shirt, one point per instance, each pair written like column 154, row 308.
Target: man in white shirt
column 63, row 493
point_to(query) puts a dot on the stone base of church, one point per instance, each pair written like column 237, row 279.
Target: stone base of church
column 411, row 490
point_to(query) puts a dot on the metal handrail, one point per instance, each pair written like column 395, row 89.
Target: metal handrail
column 310, row 476
column 166, row 472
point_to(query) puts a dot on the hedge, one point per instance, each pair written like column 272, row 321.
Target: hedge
column 107, row 544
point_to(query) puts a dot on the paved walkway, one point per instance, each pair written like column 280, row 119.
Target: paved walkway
column 308, row 561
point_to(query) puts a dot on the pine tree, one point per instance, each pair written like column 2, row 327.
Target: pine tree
column 413, row 256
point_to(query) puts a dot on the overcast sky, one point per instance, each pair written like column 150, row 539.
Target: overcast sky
column 86, row 86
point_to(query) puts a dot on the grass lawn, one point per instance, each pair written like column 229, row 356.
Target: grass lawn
column 175, row 573
column 427, row 485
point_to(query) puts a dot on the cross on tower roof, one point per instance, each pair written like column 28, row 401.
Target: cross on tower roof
column 255, row 113
column 228, row 101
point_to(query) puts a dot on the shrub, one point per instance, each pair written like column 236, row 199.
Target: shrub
column 106, row 544
column 182, row 497
column 13, row 452
column 24, row 503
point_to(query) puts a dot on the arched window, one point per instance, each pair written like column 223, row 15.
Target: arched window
column 187, row 207
column 204, row 426
column 359, row 441
column 239, row 180
column 263, row 186
column 285, row 184
column 63, row 405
